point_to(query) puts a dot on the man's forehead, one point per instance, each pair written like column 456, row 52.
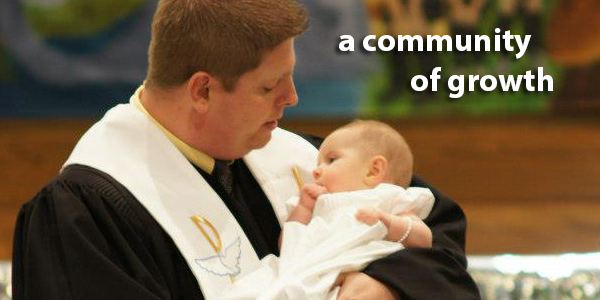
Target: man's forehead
column 278, row 62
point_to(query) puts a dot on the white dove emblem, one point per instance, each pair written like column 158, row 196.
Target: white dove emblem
column 225, row 263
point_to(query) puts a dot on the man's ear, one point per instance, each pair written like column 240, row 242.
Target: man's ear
column 377, row 171
column 198, row 87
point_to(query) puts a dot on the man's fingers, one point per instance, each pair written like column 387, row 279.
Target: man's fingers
column 357, row 285
column 339, row 280
column 345, row 286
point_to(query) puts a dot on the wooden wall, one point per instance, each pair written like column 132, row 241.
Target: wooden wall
column 527, row 185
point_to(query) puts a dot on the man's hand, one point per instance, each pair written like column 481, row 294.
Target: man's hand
column 358, row 285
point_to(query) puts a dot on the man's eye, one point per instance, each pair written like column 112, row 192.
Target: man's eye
column 267, row 90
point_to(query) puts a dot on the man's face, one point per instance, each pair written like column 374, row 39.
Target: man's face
column 242, row 120
column 341, row 165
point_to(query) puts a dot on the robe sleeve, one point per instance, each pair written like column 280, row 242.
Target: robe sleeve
column 81, row 241
column 435, row 273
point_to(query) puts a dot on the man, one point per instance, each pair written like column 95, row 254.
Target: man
column 178, row 192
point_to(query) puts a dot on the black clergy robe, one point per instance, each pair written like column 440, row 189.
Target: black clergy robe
column 84, row 236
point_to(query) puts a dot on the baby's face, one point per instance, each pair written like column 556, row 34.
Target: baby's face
column 341, row 165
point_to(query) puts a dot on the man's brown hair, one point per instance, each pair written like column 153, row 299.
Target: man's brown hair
column 377, row 138
column 225, row 38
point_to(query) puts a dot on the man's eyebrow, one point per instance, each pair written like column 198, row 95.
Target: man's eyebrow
column 284, row 76
column 280, row 78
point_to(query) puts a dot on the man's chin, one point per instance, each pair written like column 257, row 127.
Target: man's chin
column 261, row 140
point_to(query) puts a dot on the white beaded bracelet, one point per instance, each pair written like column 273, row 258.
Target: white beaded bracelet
column 407, row 233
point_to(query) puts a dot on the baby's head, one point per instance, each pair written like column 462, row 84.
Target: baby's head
column 361, row 155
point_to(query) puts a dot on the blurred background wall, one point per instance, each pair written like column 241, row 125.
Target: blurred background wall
column 524, row 166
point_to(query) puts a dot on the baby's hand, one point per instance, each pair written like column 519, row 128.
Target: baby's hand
column 309, row 194
column 407, row 227
column 369, row 215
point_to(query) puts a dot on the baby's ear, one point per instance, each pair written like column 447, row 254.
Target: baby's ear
column 377, row 171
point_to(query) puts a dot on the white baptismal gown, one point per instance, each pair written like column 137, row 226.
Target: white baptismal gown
column 313, row 255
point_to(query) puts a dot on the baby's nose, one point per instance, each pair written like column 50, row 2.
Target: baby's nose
column 317, row 173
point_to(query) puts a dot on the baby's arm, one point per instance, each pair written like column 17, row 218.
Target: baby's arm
column 303, row 211
column 419, row 235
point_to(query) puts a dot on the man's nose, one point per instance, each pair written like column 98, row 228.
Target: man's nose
column 289, row 97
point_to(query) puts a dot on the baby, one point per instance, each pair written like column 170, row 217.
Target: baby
column 334, row 227
column 359, row 156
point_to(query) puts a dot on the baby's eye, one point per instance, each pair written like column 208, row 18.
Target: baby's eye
column 331, row 159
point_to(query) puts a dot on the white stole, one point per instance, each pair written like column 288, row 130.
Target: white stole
column 126, row 145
